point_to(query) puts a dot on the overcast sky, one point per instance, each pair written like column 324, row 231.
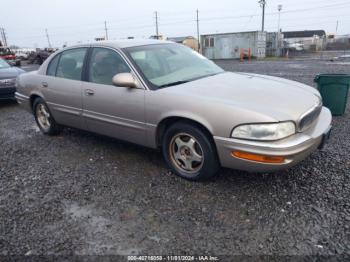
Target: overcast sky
column 72, row 21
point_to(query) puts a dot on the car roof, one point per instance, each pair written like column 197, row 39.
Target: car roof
column 125, row 43
column 117, row 44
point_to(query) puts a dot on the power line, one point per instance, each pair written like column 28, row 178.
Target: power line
column 229, row 17
column 166, row 24
column 328, row 6
column 338, row 16
column 303, row 25
column 250, row 19
column 315, row 7
column 211, row 11
column 275, row 13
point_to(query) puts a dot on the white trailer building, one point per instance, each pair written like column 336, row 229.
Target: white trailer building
column 230, row 45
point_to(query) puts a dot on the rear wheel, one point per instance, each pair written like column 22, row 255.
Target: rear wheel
column 190, row 152
column 44, row 118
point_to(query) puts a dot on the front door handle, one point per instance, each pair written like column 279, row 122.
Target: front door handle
column 44, row 84
column 89, row 92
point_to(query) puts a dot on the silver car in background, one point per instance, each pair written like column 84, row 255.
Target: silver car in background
column 163, row 95
column 8, row 75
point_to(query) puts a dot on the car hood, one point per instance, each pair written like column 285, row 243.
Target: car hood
column 11, row 72
column 275, row 97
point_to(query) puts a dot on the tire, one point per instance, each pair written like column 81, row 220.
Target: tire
column 189, row 151
column 44, row 119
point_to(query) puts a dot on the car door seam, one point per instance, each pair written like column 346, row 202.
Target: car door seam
column 109, row 118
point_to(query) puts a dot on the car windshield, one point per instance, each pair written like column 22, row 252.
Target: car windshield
column 3, row 64
column 171, row 64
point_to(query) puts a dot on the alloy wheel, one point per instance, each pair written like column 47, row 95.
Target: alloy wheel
column 186, row 153
column 43, row 116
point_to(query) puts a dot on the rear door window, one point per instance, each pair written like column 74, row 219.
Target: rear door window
column 71, row 64
column 51, row 70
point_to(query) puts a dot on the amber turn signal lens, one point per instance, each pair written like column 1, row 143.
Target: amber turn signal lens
column 258, row 158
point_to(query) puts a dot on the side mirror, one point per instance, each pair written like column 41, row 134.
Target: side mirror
column 124, row 80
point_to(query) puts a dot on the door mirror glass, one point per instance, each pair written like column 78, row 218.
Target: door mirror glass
column 124, row 79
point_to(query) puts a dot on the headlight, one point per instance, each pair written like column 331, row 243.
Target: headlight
column 268, row 132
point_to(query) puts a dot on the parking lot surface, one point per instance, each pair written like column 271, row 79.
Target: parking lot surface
column 81, row 193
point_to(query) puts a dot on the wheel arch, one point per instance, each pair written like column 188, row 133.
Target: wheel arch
column 32, row 98
column 165, row 123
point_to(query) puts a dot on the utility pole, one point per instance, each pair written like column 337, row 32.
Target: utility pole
column 2, row 42
column 262, row 4
column 157, row 32
column 279, row 17
column 278, row 51
column 3, row 36
column 198, row 38
column 336, row 28
column 106, row 30
column 48, row 38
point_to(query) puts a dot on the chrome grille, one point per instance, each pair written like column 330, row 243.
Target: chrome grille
column 309, row 117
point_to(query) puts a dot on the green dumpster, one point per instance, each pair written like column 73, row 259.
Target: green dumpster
column 334, row 91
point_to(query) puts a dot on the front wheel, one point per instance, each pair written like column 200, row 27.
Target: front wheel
column 44, row 118
column 190, row 152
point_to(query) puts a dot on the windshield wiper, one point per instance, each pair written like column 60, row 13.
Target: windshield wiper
column 174, row 83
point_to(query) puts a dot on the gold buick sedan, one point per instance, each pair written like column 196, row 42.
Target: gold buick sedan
column 164, row 95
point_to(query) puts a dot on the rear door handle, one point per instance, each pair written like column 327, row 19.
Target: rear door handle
column 44, row 84
column 89, row 92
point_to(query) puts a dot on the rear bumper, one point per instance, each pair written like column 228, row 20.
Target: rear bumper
column 24, row 101
column 295, row 148
column 7, row 92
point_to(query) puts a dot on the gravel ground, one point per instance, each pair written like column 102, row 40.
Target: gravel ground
column 81, row 193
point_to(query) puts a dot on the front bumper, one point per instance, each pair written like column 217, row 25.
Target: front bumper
column 7, row 92
column 295, row 148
